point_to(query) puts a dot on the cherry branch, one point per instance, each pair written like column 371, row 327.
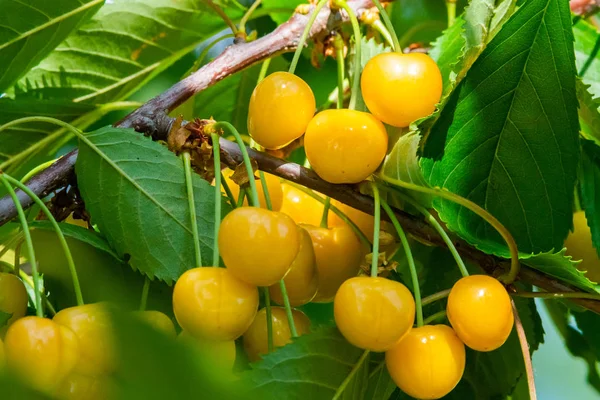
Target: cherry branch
column 152, row 119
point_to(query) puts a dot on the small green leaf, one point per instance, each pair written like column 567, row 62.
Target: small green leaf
column 135, row 191
column 589, row 112
column 79, row 233
column 32, row 29
column 124, row 45
column 559, row 266
column 446, row 51
column 589, row 181
column 313, row 365
column 587, row 56
column 508, row 137
column 4, row 317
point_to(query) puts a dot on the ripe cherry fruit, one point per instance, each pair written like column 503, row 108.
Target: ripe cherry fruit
column 579, row 246
column 373, row 313
column 280, row 108
column 210, row 303
column 345, row 146
column 364, row 221
column 40, row 351
column 302, row 280
column 299, row 206
column 257, row 245
column 401, row 88
column 273, row 186
column 93, row 326
column 157, row 320
column 428, row 362
column 13, row 298
column 480, row 311
column 339, row 254
column 256, row 338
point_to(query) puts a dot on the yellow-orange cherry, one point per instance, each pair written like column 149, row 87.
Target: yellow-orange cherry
column 401, row 88
column 280, row 108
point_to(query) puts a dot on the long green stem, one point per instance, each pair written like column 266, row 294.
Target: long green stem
column 305, row 34
column 187, row 167
column 435, row 297
column 376, row 229
column 558, row 295
column 379, row 27
column 389, row 25
column 265, row 189
column 438, row 227
column 37, row 169
column 357, row 52
column 217, row 165
column 145, row 291
column 231, row 129
column 18, row 256
column 264, row 68
column 325, row 215
column 241, row 197
column 246, row 16
column 288, row 309
column 362, row 237
column 451, row 8
column 61, row 237
column 409, row 258
column 228, row 191
column 489, row 218
column 434, row 317
column 340, row 390
column 270, row 345
column 525, row 351
column 338, row 43
column 27, row 279
column 223, row 16
column 39, row 311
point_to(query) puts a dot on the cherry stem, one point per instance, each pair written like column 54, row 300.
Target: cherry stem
column 37, row 169
column 228, row 191
column 438, row 227
column 526, row 354
column 264, row 68
column 376, row 229
column 18, row 256
column 223, row 16
column 338, row 44
column 265, row 189
column 558, row 295
column 218, row 182
column 39, row 311
column 145, row 291
column 410, row 259
column 325, row 215
column 305, row 33
column 357, row 51
column 246, row 16
column 27, row 279
column 269, row 319
column 363, row 238
column 187, row 167
column 507, row 278
column 434, row 317
column 240, row 200
column 390, row 27
column 340, row 390
column 61, row 236
column 379, row 27
column 288, row 309
column 249, row 170
column 451, row 8
column 435, row 297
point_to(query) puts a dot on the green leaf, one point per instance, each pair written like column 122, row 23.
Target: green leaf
column 135, row 191
column 79, row 233
column 312, row 366
column 589, row 112
column 508, row 138
column 124, row 45
column 228, row 100
column 403, row 163
column 559, row 266
column 380, row 384
column 587, row 56
column 589, row 181
column 419, row 20
column 281, row 17
column 4, row 317
column 446, row 51
column 30, row 30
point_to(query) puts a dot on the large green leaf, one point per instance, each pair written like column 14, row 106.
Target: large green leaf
column 559, row 266
column 589, row 181
column 135, row 191
column 32, row 29
column 228, row 100
column 508, row 139
column 126, row 43
column 313, row 366
column 446, row 51
column 587, row 56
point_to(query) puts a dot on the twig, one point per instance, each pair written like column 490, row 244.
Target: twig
column 526, row 354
